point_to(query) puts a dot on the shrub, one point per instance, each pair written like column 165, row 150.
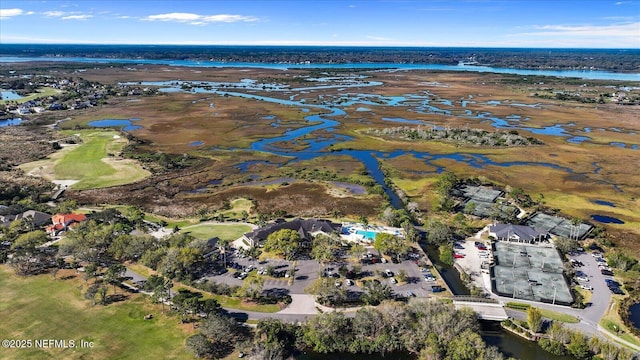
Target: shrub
column 553, row 347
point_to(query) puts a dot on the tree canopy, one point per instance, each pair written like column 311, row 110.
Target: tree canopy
column 283, row 242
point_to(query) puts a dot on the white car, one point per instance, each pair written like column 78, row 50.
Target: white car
column 349, row 282
column 587, row 287
column 582, row 278
column 388, row 272
column 393, row 280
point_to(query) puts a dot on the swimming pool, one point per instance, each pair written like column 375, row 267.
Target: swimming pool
column 367, row 234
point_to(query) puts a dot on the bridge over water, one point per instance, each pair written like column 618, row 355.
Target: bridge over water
column 487, row 309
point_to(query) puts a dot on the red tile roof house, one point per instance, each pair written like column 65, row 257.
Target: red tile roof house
column 61, row 222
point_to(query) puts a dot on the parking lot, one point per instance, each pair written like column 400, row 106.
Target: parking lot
column 307, row 271
column 601, row 295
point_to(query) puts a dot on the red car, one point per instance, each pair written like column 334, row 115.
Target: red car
column 458, row 256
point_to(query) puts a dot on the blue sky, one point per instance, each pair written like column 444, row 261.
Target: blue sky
column 487, row 23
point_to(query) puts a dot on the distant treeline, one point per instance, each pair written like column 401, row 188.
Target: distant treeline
column 621, row 60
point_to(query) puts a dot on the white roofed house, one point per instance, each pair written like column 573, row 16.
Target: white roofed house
column 518, row 233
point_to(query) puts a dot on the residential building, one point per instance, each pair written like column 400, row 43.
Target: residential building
column 62, row 222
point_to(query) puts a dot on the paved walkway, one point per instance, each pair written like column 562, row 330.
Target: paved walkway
column 301, row 304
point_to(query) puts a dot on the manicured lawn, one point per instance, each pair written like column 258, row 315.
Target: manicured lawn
column 39, row 307
column 223, row 231
column 237, row 206
column 613, row 324
column 231, row 302
column 171, row 223
column 549, row 314
column 90, row 163
column 558, row 316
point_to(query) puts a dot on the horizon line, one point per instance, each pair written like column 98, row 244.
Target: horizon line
column 325, row 45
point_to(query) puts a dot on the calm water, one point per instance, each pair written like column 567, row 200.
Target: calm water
column 584, row 74
column 121, row 123
column 605, row 203
column 515, row 346
column 607, row 219
column 9, row 95
column 634, row 315
column 9, row 122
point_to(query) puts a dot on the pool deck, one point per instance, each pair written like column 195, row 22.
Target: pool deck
column 352, row 228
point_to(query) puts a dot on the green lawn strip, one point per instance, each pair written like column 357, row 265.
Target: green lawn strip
column 558, row 316
column 223, row 231
column 549, row 314
column 39, row 307
column 171, row 223
column 230, row 301
column 41, row 92
column 611, row 326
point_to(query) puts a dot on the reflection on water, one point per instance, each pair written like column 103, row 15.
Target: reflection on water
column 124, row 124
column 515, row 346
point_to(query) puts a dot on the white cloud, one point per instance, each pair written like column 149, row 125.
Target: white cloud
column 77, row 17
column 378, row 38
column 614, row 30
column 623, row 2
column 53, row 13
column 7, row 13
column 196, row 19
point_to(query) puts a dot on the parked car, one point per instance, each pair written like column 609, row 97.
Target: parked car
column 388, row 272
column 410, row 294
column 606, row 272
column 437, row 289
column 458, row 256
column 617, row 291
column 586, row 287
column 393, row 280
column 349, row 282
column 612, row 282
column 338, row 283
column 242, row 275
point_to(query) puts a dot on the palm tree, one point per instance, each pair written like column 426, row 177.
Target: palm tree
column 162, row 292
column 222, row 246
column 575, row 227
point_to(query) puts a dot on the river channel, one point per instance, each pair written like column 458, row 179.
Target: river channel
column 326, row 120
column 583, row 74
